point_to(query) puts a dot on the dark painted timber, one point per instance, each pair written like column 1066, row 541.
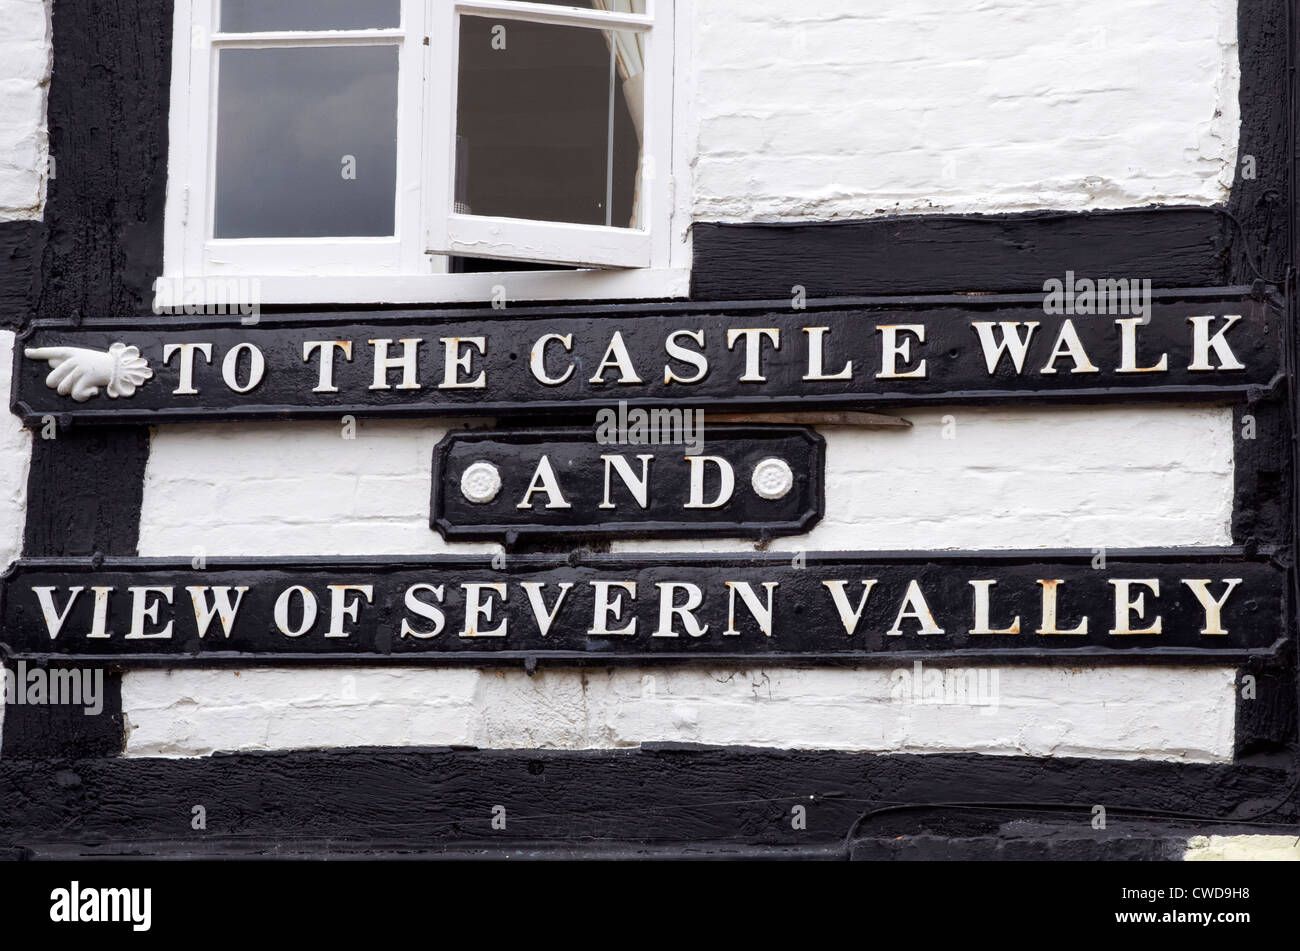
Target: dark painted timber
column 660, row 800
column 925, row 254
column 95, row 254
column 84, row 492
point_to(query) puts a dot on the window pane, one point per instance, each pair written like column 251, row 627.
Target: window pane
column 306, row 142
column 248, row 16
column 549, row 122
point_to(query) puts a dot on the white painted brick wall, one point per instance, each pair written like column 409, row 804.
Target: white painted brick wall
column 1011, row 478
column 293, row 489
column 1120, row 477
column 1243, row 848
column 1121, row 713
column 15, row 461
column 24, row 76
column 1023, row 478
column 846, row 109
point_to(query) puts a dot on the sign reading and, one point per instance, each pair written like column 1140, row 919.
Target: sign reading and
column 728, row 481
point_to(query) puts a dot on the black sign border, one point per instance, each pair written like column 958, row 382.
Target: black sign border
column 530, row 660
column 120, row 412
column 814, row 465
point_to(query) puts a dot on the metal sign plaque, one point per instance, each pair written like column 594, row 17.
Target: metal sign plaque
column 1208, row 607
column 721, row 481
column 1176, row 344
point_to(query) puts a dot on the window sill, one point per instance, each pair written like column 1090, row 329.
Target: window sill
column 519, row 286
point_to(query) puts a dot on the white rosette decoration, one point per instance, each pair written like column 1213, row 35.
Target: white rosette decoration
column 79, row 373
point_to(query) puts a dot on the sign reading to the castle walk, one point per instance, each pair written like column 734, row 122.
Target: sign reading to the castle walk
column 1210, row 344
column 1211, row 607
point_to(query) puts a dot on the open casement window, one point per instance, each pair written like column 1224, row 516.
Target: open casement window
column 552, row 151
column 411, row 139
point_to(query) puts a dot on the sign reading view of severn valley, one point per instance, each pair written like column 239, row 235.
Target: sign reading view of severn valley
column 1209, row 607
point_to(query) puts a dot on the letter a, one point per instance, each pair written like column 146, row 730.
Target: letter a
column 544, row 481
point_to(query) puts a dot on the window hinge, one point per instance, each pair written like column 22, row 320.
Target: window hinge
column 185, row 206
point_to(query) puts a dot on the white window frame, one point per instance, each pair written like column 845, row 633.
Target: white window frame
column 409, row 268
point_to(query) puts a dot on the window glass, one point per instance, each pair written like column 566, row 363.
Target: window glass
column 306, row 142
column 248, row 16
column 549, row 122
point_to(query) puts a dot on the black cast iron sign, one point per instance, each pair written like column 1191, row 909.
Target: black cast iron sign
column 721, row 481
column 1208, row 344
column 1210, row 607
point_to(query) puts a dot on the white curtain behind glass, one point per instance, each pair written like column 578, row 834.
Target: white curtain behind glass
column 629, row 54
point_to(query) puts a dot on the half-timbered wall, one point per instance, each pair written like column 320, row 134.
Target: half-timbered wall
column 808, row 127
